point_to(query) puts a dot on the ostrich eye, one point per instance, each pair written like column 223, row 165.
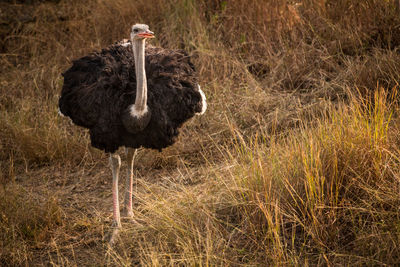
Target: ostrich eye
column 135, row 30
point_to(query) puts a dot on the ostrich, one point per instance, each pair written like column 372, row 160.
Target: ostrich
column 129, row 95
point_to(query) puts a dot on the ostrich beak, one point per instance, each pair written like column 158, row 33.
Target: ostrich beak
column 147, row 34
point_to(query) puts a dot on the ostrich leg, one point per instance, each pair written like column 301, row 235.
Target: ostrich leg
column 115, row 162
column 130, row 156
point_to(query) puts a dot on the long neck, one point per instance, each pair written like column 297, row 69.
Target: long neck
column 141, row 82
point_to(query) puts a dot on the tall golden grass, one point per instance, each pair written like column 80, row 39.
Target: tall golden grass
column 296, row 162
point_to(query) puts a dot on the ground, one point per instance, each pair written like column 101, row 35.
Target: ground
column 295, row 162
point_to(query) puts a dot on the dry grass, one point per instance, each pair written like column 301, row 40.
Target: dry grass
column 296, row 162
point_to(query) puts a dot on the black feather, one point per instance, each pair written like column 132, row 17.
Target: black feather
column 99, row 88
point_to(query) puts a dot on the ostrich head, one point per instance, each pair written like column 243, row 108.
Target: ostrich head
column 140, row 32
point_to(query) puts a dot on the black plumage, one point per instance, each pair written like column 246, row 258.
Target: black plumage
column 99, row 88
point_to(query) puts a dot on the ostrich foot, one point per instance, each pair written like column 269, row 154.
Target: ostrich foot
column 112, row 236
column 128, row 213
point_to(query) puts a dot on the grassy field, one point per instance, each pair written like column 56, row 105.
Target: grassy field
column 295, row 163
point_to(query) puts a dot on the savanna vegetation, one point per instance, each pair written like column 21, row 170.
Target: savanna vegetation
column 295, row 163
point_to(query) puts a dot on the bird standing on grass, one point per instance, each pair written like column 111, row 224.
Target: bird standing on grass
column 133, row 96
